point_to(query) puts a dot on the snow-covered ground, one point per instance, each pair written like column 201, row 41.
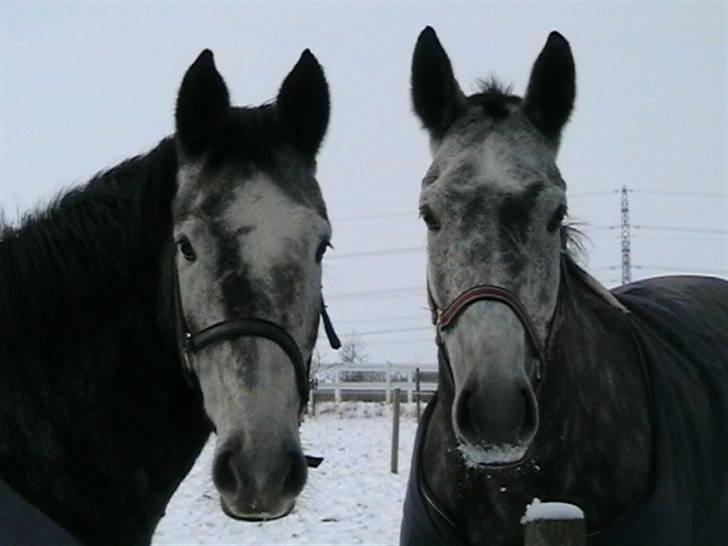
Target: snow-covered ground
column 352, row 498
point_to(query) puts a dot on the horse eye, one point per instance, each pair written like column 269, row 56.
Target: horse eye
column 429, row 218
column 556, row 218
column 321, row 251
column 185, row 247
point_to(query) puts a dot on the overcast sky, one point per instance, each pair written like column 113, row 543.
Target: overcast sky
column 86, row 85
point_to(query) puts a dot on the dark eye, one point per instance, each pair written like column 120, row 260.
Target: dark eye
column 185, row 247
column 429, row 218
column 321, row 251
column 556, row 218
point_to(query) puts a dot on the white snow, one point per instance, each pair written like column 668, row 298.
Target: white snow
column 352, row 498
column 475, row 456
column 540, row 511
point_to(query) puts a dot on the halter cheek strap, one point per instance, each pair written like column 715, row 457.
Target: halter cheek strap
column 444, row 319
column 226, row 330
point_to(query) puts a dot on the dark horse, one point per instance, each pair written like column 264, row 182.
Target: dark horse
column 550, row 386
column 175, row 294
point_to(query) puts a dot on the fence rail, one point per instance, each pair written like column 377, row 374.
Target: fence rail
column 365, row 381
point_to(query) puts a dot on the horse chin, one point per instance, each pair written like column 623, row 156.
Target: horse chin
column 253, row 516
column 492, row 456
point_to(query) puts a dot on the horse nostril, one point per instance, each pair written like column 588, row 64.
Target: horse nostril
column 500, row 416
column 296, row 476
column 529, row 424
column 223, row 472
column 463, row 415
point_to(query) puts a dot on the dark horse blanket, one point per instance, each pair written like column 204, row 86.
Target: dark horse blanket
column 21, row 524
column 681, row 325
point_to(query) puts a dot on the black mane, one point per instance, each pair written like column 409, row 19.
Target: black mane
column 97, row 424
column 95, row 241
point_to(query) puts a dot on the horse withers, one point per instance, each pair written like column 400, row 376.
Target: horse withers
column 550, row 386
column 175, row 294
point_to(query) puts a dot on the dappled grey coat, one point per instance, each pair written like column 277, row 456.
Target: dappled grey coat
column 682, row 329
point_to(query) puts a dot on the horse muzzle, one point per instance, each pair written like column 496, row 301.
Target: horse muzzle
column 495, row 425
column 256, row 486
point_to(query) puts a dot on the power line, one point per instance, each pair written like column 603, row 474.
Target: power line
column 705, row 237
column 389, row 331
column 591, row 194
column 403, row 291
column 597, row 228
column 429, row 340
column 425, row 314
column 710, row 195
column 382, row 216
column 682, row 229
column 382, row 252
column 680, row 269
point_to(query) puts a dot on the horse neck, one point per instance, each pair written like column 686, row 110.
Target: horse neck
column 605, row 418
column 594, row 442
column 98, row 425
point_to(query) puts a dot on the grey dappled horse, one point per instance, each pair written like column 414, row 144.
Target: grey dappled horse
column 550, row 386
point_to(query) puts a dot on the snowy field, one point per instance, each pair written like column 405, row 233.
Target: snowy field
column 352, row 498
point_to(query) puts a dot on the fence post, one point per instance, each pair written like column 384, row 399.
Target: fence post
column 313, row 399
column 410, row 386
column 388, row 394
column 395, row 432
column 337, row 390
column 554, row 524
column 417, row 396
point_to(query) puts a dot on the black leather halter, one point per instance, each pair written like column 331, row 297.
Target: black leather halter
column 444, row 319
column 226, row 330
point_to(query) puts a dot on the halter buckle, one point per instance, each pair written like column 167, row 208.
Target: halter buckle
column 186, row 352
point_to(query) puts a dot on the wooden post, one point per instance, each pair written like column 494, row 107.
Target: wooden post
column 409, row 386
column 388, row 378
column 417, row 396
column 554, row 524
column 337, row 390
column 313, row 399
column 395, row 431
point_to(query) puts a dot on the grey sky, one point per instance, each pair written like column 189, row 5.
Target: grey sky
column 85, row 85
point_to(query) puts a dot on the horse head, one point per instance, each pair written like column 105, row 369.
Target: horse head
column 493, row 202
column 251, row 229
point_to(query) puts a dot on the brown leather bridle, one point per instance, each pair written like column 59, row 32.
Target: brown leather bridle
column 443, row 319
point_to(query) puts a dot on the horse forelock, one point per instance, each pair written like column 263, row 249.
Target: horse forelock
column 252, row 140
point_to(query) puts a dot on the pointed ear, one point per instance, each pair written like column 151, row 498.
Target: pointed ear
column 436, row 95
column 202, row 103
column 552, row 87
column 303, row 105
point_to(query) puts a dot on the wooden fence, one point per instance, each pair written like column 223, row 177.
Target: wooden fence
column 374, row 382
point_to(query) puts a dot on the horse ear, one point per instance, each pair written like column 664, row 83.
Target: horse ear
column 552, row 87
column 202, row 103
column 303, row 104
column 436, row 95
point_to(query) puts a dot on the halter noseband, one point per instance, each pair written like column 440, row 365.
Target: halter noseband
column 226, row 330
column 444, row 319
